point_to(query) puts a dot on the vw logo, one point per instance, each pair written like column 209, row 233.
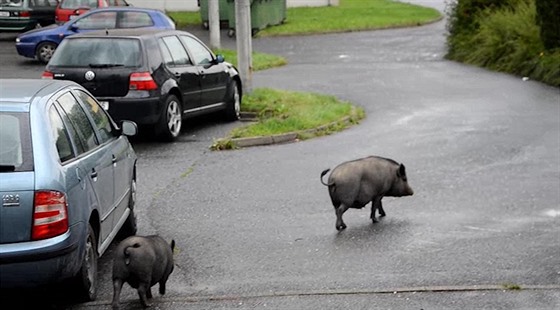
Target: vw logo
column 89, row 75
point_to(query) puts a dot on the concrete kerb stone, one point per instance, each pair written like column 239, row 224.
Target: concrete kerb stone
column 287, row 137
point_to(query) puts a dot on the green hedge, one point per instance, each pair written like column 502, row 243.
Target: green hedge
column 548, row 18
column 503, row 37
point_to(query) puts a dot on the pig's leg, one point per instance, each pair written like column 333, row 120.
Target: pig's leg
column 380, row 208
column 162, row 286
column 117, row 286
column 376, row 205
column 339, row 212
column 143, row 290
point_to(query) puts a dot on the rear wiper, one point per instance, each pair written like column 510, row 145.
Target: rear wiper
column 7, row 168
column 105, row 65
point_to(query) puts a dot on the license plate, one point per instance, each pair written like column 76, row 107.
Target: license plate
column 4, row 14
column 104, row 105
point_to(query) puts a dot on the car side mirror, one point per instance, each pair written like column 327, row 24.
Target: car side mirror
column 129, row 128
column 74, row 27
column 219, row 59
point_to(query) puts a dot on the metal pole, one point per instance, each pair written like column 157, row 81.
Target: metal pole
column 243, row 42
column 214, row 23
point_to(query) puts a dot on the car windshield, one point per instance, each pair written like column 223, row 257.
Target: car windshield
column 97, row 53
column 11, row 3
column 74, row 4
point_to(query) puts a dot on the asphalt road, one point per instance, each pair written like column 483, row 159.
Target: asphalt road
column 255, row 228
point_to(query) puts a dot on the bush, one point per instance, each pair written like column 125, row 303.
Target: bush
column 462, row 12
column 548, row 18
column 507, row 39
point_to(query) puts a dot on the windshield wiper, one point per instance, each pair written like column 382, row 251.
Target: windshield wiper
column 7, row 168
column 105, row 65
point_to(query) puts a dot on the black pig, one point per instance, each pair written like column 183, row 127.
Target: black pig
column 142, row 261
column 353, row 184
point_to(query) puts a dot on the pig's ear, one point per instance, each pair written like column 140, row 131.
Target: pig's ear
column 401, row 172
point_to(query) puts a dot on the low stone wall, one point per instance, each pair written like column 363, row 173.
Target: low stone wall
column 192, row 5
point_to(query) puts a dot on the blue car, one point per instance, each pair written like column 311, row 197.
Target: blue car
column 41, row 43
column 67, row 181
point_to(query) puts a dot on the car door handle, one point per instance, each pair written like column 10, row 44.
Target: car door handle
column 114, row 160
column 93, row 174
column 78, row 175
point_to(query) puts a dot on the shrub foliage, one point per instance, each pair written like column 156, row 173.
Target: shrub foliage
column 502, row 35
column 548, row 18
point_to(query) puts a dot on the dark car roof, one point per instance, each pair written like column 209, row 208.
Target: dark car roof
column 128, row 32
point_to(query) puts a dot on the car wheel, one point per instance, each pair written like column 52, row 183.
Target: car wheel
column 45, row 51
column 169, row 126
column 233, row 108
column 130, row 227
column 86, row 279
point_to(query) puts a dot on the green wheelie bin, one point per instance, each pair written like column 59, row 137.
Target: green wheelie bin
column 224, row 13
column 264, row 13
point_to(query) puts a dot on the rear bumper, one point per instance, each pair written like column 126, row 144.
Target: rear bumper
column 17, row 24
column 143, row 111
column 37, row 263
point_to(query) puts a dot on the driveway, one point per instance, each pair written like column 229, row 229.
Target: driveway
column 255, row 228
column 482, row 149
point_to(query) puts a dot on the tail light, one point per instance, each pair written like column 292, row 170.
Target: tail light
column 47, row 75
column 142, row 81
column 50, row 216
column 25, row 14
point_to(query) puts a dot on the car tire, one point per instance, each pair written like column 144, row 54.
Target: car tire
column 233, row 106
column 45, row 51
column 130, row 226
column 169, row 126
column 85, row 282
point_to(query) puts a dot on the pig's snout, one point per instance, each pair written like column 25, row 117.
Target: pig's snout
column 408, row 191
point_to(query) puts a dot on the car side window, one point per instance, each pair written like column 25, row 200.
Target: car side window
column 178, row 53
column 61, row 135
column 201, row 55
column 135, row 19
column 10, row 140
column 85, row 134
column 99, row 20
column 99, row 116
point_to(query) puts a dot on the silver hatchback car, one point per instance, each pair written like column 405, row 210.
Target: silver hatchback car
column 67, row 181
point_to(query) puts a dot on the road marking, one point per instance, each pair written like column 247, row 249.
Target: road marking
column 553, row 213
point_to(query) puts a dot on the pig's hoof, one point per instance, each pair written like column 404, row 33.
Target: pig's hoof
column 341, row 227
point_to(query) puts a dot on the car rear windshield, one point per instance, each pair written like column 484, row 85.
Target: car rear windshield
column 74, row 4
column 98, row 53
column 15, row 142
column 11, row 3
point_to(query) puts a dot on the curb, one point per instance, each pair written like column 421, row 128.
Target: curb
column 283, row 138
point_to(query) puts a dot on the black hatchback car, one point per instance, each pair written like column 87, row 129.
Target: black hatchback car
column 156, row 78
